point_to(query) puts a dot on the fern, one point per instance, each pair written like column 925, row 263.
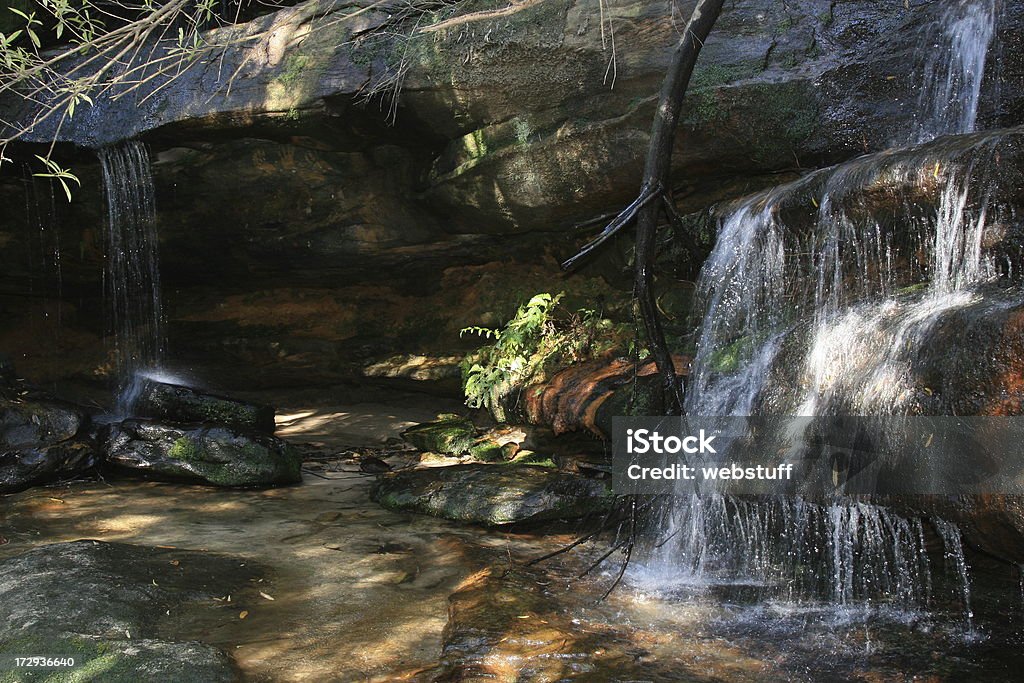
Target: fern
column 538, row 339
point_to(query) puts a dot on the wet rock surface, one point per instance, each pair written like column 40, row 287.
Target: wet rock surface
column 493, row 495
column 42, row 440
column 109, row 605
column 184, row 404
column 208, row 454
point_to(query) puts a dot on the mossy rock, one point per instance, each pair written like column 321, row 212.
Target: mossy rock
column 493, row 495
column 448, row 435
column 184, row 404
column 115, row 661
column 42, row 440
column 487, row 450
column 211, row 455
column 106, row 605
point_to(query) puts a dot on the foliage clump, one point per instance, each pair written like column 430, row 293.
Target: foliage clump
column 541, row 338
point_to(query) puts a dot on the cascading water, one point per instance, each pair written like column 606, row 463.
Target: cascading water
column 131, row 275
column 821, row 315
column 959, row 46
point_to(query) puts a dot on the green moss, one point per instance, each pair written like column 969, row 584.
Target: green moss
column 912, row 289
column 715, row 75
column 451, row 435
column 787, row 116
column 294, row 66
column 727, row 359
column 489, row 451
column 706, row 107
column 186, row 450
column 94, row 660
column 535, row 459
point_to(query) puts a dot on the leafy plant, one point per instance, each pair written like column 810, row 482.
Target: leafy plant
column 539, row 339
column 61, row 175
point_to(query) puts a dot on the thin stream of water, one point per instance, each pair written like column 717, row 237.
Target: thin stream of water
column 132, row 272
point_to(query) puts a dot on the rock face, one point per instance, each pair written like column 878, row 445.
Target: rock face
column 493, row 495
column 109, row 605
column 41, row 440
column 287, row 210
column 516, row 100
column 973, row 361
column 184, row 404
column 210, row 455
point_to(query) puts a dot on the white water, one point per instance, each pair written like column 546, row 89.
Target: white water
column 957, row 51
column 131, row 274
column 813, row 321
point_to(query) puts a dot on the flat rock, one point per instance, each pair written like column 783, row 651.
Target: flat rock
column 109, row 606
column 210, row 455
column 493, row 495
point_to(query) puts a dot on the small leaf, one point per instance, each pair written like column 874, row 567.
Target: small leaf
column 243, row 614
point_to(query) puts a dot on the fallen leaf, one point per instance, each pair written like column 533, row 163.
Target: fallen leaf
column 243, row 614
column 264, row 595
column 175, row 562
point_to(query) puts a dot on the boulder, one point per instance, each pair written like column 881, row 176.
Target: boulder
column 109, row 605
column 457, row 436
column 176, row 403
column 448, row 435
column 205, row 454
column 42, row 440
column 493, row 495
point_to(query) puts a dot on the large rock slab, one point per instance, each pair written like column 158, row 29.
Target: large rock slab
column 111, row 606
column 493, row 495
column 41, row 440
column 513, row 102
column 210, row 455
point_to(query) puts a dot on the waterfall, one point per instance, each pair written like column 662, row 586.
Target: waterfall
column 131, row 274
column 820, row 314
column 958, row 48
